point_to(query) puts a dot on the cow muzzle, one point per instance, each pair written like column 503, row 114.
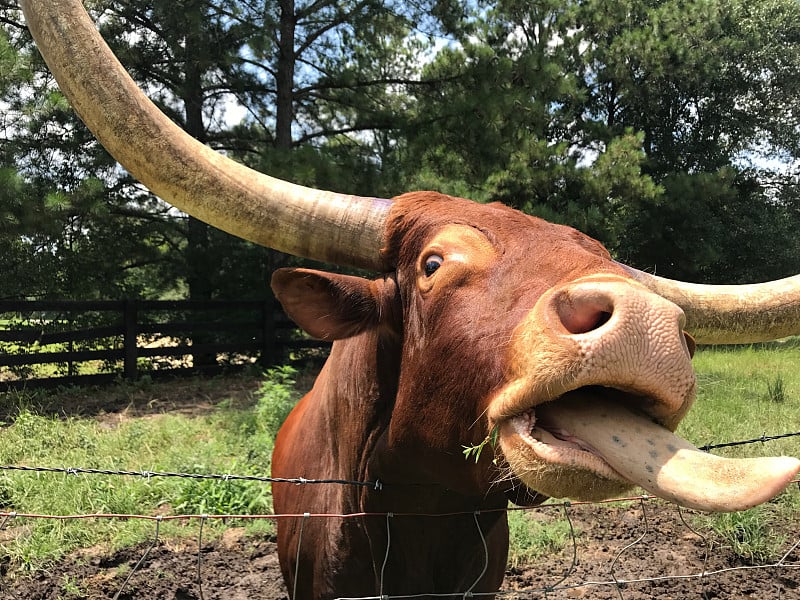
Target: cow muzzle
column 601, row 376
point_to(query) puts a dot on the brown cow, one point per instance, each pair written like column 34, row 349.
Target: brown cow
column 488, row 315
column 486, row 323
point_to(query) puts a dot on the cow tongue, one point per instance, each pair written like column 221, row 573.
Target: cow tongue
column 667, row 466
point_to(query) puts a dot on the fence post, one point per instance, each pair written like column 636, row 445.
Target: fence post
column 267, row 357
column 129, row 324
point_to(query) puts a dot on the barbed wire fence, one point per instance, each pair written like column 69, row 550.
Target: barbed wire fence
column 788, row 562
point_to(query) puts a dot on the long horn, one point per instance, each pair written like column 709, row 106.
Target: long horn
column 732, row 314
column 335, row 228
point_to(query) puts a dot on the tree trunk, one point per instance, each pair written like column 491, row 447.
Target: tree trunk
column 284, row 109
column 199, row 258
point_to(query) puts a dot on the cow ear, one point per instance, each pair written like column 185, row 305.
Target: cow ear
column 330, row 306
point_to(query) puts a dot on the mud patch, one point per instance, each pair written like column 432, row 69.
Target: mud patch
column 232, row 567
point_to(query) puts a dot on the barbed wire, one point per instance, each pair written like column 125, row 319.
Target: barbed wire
column 764, row 438
column 376, row 485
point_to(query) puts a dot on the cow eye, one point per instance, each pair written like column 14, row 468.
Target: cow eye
column 432, row 263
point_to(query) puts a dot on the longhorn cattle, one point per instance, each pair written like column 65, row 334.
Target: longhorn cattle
column 484, row 324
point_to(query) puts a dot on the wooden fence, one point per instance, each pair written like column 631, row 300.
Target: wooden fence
column 69, row 342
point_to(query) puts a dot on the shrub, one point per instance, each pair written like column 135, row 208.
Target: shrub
column 276, row 397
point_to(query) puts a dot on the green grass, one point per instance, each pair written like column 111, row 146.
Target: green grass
column 750, row 534
column 534, row 534
column 229, row 439
column 161, row 443
column 742, row 394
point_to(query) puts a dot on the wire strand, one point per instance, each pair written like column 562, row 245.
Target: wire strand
column 377, row 485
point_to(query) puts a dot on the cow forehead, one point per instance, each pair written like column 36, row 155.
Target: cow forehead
column 418, row 218
column 496, row 264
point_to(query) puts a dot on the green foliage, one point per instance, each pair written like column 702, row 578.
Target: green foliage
column 216, row 497
column 683, row 74
column 229, row 439
column 643, row 124
column 733, row 401
column 83, row 229
column 776, row 389
column 668, row 130
column 476, row 451
column 276, row 397
column 71, row 588
column 599, row 199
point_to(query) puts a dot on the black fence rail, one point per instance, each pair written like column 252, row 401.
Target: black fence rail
column 67, row 342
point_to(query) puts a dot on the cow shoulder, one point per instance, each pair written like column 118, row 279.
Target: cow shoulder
column 331, row 306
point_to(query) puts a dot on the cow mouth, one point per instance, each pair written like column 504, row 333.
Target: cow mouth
column 593, row 443
column 555, row 444
column 552, row 441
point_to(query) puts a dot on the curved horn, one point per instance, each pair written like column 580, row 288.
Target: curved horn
column 336, row 228
column 732, row 314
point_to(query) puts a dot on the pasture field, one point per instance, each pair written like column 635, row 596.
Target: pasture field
column 183, row 426
column 227, row 425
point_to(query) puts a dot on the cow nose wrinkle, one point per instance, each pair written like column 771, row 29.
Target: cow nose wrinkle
column 583, row 314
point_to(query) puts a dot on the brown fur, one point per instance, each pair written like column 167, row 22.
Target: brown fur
column 407, row 386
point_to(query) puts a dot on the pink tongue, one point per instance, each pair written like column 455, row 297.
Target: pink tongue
column 667, row 466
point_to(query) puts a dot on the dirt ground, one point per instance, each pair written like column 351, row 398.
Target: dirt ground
column 238, row 568
column 613, row 542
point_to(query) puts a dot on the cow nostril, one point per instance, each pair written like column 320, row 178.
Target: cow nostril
column 583, row 316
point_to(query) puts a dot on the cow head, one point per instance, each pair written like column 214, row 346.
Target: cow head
column 505, row 323
column 500, row 322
